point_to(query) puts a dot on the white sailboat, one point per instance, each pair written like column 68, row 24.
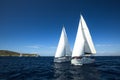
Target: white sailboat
column 63, row 52
column 83, row 45
column 20, row 55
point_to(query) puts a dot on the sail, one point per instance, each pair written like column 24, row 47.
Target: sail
column 78, row 48
column 89, row 46
column 67, row 46
column 83, row 42
column 63, row 48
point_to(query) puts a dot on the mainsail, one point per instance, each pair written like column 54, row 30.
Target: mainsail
column 88, row 46
column 78, row 48
column 63, row 48
column 83, row 43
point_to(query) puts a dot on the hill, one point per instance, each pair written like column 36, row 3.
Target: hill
column 12, row 53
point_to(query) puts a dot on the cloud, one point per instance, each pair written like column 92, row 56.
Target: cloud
column 52, row 47
column 103, row 45
column 42, row 47
column 34, row 46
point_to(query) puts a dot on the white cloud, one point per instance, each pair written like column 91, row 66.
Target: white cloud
column 52, row 47
column 38, row 46
column 41, row 49
column 103, row 45
column 34, row 46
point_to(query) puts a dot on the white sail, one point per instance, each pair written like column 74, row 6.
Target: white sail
column 78, row 48
column 63, row 48
column 89, row 46
column 67, row 46
column 83, row 43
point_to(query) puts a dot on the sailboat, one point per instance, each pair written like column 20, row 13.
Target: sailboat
column 20, row 55
column 63, row 52
column 83, row 46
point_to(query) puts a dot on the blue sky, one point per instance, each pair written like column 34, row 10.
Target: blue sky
column 35, row 25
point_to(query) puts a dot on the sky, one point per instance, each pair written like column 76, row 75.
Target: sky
column 34, row 26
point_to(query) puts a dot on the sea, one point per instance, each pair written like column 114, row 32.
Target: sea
column 43, row 68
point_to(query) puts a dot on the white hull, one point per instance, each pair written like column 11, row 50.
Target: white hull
column 82, row 61
column 62, row 59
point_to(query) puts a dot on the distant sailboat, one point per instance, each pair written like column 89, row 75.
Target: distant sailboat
column 20, row 55
column 83, row 45
column 63, row 52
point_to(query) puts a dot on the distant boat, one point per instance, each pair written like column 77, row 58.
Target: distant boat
column 63, row 52
column 37, row 55
column 20, row 55
column 83, row 45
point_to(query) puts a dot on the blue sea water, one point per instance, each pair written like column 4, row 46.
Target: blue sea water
column 43, row 68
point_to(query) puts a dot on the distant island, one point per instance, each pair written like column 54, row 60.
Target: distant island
column 12, row 53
